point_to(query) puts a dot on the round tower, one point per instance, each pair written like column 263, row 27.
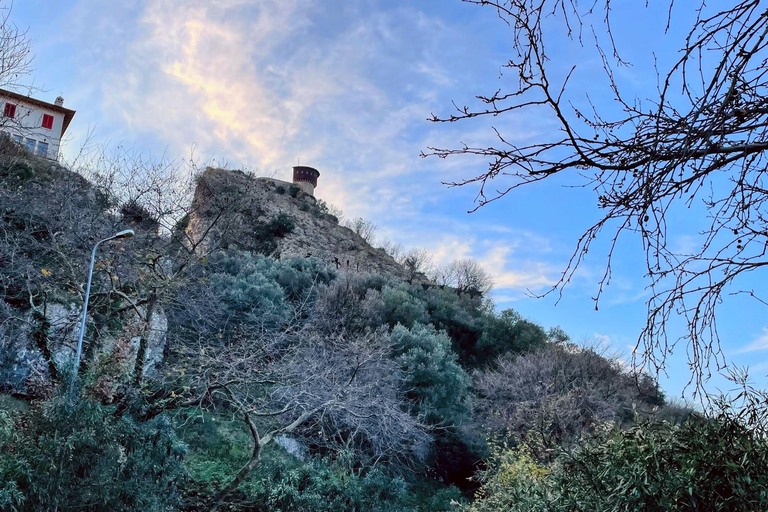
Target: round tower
column 306, row 178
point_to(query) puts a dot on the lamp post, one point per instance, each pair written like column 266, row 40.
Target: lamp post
column 128, row 233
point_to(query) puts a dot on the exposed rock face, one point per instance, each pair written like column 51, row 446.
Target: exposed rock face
column 23, row 363
column 50, row 218
column 231, row 208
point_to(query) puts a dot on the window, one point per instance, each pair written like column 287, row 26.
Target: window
column 42, row 149
column 31, row 145
column 10, row 110
column 47, row 121
column 17, row 139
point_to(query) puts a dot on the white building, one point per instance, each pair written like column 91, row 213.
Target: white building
column 36, row 124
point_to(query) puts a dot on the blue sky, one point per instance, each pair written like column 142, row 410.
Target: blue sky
column 347, row 87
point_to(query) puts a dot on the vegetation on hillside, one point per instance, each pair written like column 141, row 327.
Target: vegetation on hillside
column 291, row 385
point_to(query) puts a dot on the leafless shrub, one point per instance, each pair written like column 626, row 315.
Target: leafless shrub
column 365, row 228
column 558, row 393
column 340, row 392
column 394, row 249
column 417, row 262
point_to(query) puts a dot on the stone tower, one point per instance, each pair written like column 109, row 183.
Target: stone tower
column 306, row 178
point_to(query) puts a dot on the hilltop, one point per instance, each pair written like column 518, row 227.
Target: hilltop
column 279, row 219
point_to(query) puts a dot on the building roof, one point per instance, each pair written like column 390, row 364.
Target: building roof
column 68, row 113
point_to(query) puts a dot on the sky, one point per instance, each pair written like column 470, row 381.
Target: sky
column 347, row 87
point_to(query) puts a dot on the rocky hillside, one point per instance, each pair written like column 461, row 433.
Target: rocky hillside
column 277, row 218
column 50, row 217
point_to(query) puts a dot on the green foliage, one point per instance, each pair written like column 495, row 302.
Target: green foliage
column 401, row 307
column 460, row 316
column 714, row 465
column 21, row 171
column 251, row 297
column 508, row 333
column 65, row 455
column 265, row 235
column 514, row 482
column 284, row 483
column 438, row 388
column 257, row 290
column 329, row 487
column 294, row 190
column 435, row 382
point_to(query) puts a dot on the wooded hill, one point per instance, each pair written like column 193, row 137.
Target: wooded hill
column 221, row 372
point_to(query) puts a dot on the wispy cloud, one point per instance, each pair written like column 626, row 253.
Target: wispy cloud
column 758, row 344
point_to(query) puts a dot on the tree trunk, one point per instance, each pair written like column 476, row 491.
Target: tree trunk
column 244, row 472
column 146, row 332
column 40, row 335
column 93, row 347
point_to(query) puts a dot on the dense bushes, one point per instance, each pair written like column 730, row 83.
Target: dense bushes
column 713, row 465
column 558, row 393
column 435, row 383
column 65, row 455
column 387, row 362
column 435, row 336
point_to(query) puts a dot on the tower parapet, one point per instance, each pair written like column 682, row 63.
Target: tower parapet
column 306, row 178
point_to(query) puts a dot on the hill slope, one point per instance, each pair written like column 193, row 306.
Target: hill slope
column 277, row 218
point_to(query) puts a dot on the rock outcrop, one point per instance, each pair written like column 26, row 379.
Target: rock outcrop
column 276, row 218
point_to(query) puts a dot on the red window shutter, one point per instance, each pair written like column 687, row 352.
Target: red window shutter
column 47, row 121
column 10, row 110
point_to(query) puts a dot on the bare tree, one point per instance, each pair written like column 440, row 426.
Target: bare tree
column 15, row 67
column 15, row 50
column 699, row 140
column 331, row 209
column 394, row 249
column 558, row 393
column 365, row 228
column 466, row 276
column 416, row 262
column 341, row 391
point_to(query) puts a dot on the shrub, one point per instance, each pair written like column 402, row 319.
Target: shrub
column 65, row 455
column 265, row 235
column 507, row 333
column 400, row 307
column 714, row 465
column 558, row 393
column 435, row 382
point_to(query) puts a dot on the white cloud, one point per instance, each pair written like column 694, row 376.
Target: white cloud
column 267, row 82
column 758, row 344
column 602, row 339
column 451, row 248
column 509, row 273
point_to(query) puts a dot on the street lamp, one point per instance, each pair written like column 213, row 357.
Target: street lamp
column 128, row 233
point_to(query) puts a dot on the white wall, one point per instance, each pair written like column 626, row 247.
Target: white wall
column 28, row 123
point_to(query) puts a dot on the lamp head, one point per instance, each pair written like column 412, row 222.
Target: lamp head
column 128, row 233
